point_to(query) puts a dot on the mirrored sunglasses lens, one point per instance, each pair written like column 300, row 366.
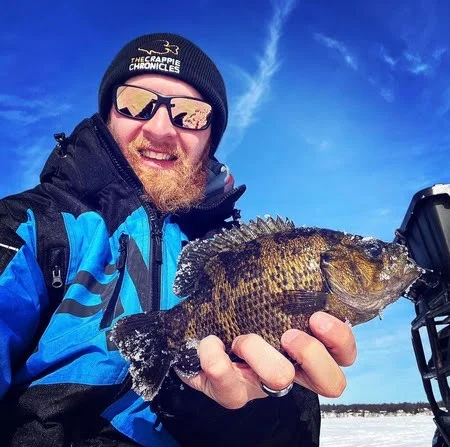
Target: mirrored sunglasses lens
column 190, row 113
column 135, row 102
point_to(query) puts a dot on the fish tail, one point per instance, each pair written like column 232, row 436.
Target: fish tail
column 143, row 341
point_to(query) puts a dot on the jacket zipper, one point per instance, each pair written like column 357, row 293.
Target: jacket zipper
column 56, row 277
column 156, row 259
column 156, row 224
column 155, row 265
column 108, row 315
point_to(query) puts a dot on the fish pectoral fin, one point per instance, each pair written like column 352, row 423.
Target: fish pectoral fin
column 148, row 377
column 304, row 301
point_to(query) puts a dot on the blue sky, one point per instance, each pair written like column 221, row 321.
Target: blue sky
column 339, row 113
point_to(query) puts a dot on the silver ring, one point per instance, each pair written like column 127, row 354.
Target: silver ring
column 276, row 393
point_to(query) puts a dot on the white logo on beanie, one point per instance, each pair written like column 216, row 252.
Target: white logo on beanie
column 156, row 58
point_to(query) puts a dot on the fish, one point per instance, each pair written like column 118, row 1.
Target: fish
column 264, row 277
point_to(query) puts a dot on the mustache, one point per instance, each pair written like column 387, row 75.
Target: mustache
column 142, row 143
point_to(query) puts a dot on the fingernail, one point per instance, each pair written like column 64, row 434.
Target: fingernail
column 322, row 322
column 235, row 341
column 289, row 336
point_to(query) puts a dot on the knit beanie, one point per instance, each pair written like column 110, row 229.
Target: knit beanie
column 174, row 56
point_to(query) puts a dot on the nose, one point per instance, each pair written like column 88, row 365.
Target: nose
column 159, row 127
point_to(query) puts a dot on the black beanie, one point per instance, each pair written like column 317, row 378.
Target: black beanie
column 174, row 56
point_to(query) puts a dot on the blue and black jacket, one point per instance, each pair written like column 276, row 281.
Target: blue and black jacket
column 78, row 252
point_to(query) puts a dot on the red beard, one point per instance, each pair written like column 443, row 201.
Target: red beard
column 170, row 190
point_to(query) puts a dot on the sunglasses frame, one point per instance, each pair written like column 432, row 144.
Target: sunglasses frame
column 161, row 100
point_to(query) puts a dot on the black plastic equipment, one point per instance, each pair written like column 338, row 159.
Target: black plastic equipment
column 426, row 232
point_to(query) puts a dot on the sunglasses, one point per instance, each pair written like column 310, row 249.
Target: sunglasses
column 141, row 104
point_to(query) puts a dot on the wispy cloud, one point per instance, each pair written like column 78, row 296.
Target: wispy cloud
column 382, row 212
column 385, row 87
column 445, row 102
column 246, row 106
column 384, row 340
column 437, row 54
column 322, row 145
column 387, row 94
column 325, row 149
column 387, row 57
column 31, row 159
column 19, row 116
column 420, row 27
column 334, row 44
column 420, row 64
column 23, row 110
column 416, row 65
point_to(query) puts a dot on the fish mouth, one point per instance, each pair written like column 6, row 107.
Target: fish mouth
column 415, row 269
column 415, row 272
column 411, row 263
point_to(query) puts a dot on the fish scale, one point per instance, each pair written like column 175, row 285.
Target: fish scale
column 264, row 277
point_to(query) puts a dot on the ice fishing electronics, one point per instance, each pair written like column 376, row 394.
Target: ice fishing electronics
column 426, row 232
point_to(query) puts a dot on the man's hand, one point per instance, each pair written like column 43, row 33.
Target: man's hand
column 319, row 358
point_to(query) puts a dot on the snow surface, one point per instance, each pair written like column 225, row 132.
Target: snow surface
column 389, row 431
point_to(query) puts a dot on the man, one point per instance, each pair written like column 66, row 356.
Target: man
column 98, row 239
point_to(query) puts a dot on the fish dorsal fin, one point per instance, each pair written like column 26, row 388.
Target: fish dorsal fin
column 195, row 255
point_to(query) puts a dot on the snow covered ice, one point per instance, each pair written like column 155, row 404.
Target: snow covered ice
column 389, row 431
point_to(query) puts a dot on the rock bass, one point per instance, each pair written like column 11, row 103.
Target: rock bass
column 263, row 277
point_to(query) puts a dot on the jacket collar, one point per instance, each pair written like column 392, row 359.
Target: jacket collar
column 89, row 162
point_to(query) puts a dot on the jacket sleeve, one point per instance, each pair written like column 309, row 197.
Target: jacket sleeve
column 193, row 419
column 22, row 297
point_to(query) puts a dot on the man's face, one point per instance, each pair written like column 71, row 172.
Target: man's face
column 170, row 161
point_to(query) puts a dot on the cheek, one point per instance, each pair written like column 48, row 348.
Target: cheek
column 123, row 129
column 195, row 144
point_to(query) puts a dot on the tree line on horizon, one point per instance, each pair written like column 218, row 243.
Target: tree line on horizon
column 407, row 407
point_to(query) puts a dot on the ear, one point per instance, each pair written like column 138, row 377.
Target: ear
column 108, row 120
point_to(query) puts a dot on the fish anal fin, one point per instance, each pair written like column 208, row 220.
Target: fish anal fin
column 148, row 377
column 187, row 362
column 296, row 302
column 142, row 340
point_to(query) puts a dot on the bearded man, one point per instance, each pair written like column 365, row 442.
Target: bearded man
column 98, row 239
